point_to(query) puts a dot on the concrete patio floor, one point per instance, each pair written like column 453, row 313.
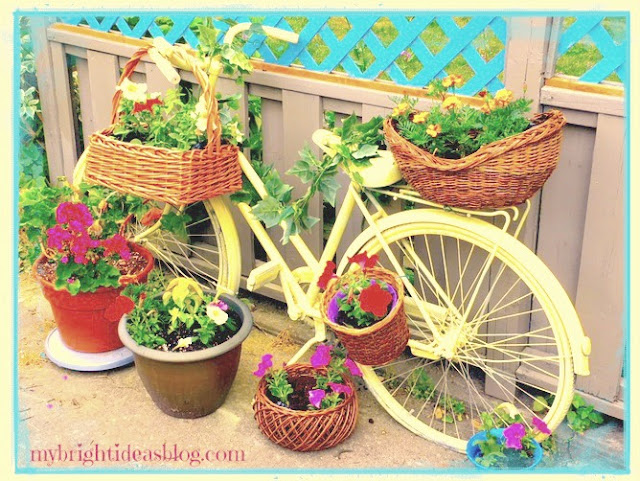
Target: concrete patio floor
column 67, row 408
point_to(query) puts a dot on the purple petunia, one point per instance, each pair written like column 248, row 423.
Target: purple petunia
column 339, row 388
column 541, row 426
column 316, row 396
column 353, row 367
column 513, row 436
column 264, row 365
column 322, row 356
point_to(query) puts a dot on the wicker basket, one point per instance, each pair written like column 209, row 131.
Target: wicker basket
column 305, row 430
column 166, row 175
column 381, row 342
column 500, row 174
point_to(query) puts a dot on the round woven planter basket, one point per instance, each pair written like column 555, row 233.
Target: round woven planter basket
column 166, row 175
column 381, row 342
column 500, row 174
column 305, row 430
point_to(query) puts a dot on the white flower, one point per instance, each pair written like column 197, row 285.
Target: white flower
column 216, row 314
column 133, row 91
column 201, row 124
column 201, row 107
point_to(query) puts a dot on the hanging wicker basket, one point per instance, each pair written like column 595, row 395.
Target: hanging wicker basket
column 305, row 430
column 500, row 174
column 166, row 175
column 381, row 342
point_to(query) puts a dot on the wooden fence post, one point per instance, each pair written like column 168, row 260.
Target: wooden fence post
column 55, row 97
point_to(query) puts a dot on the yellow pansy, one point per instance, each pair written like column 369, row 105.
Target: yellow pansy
column 453, row 79
column 400, row 109
column 451, row 102
column 433, row 130
column 503, row 97
column 420, row 118
column 488, row 106
column 133, row 91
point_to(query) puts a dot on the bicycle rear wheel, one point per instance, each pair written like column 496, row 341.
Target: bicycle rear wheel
column 499, row 314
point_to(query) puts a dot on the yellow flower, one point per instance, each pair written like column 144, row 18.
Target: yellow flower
column 183, row 342
column 201, row 124
column 488, row 106
column 447, row 81
column 503, row 97
column 451, row 102
column 453, row 79
column 434, row 130
column 429, row 89
column 420, row 118
column 400, row 109
column 133, row 91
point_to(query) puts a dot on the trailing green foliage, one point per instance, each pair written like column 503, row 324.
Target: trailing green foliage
column 581, row 416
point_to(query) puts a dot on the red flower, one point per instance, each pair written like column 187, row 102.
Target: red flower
column 116, row 245
column 364, row 261
column 151, row 217
column 483, row 93
column 148, row 105
column 327, row 275
column 375, row 299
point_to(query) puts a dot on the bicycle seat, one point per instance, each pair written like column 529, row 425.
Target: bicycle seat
column 382, row 172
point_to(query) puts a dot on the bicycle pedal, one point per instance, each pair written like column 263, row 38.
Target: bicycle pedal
column 262, row 275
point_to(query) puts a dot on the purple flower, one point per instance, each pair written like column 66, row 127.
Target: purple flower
column 322, row 356
column 71, row 280
column 339, row 388
column 353, row 367
column 263, row 365
column 513, row 436
column 221, row 304
column 333, row 308
column 316, row 396
column 541, row 426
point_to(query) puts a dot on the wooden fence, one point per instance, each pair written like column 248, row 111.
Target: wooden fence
column 577, row 223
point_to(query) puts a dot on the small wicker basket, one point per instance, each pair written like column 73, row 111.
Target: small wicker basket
column 166, row 175
column 305, row 430
column 381, row 342
column 500, row 174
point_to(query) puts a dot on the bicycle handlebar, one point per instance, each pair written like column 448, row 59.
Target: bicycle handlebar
column 272, row 32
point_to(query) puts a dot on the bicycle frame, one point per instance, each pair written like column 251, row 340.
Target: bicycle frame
column 302, row 304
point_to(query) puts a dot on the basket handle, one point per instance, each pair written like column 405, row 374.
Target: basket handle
column 214, row 126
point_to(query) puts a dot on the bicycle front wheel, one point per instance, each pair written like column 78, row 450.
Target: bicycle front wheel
column 494, row 342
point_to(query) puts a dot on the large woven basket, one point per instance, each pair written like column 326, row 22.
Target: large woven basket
column 305, row 430
column 167, row 175
column 500, row 174
column 381, row 342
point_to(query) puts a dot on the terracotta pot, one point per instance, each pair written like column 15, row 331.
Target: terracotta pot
column 84, row 320
column 190, row 384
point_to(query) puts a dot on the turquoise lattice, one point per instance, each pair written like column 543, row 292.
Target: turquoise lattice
column 593, row 48
column 406, row 50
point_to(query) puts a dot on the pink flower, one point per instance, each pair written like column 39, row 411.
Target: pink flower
column 264, row 365
column 513, row 435
column 353, row 367
column 541, row 426
column 316, row 396
column 77, row 215
column 116, row 245
column 57, row 236
column 221, row 304
column 80, row 244
column 339, row 388
column 64, row 259
column 71, row 280
column 322, row 356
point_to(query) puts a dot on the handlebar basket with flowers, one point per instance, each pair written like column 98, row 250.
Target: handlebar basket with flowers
column 164, row 149
column 460, row 156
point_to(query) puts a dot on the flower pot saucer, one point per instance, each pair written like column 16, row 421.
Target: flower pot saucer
column 67, row 358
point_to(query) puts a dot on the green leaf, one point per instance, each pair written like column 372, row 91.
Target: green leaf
column 329, row 187
column 578, row 401
column 540, row 404
column 176, row 224
column 74, row 287
column 365, row 151
column 268, row 211
column 303, row 170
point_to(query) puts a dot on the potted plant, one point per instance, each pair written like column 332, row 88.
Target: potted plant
column 307, row 407
column 365, row 308
column 461, row 156
column 180, row 147
column 186, row 345
column 513, row 446
column 83, row 261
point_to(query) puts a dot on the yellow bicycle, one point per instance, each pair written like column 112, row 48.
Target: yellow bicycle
column 489, row 322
